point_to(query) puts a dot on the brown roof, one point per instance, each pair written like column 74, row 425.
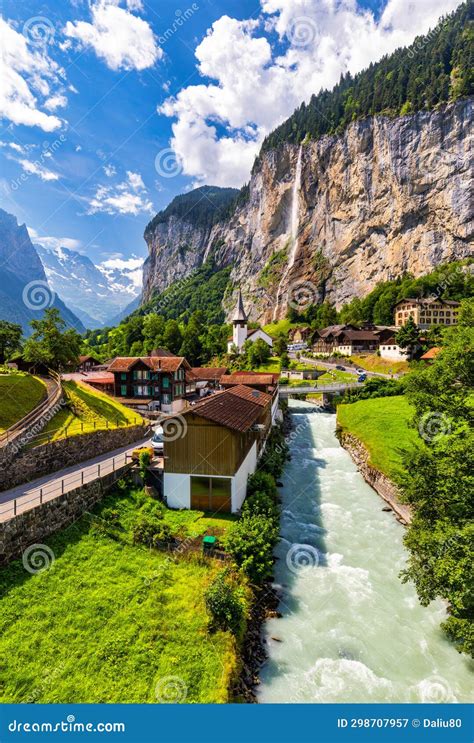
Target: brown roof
column 247, row 378
column 155, row 363
column 229, row 410
column 161, row 352
column 208, row 373
column 247, row 393
column 431, row 354
column 428, row 300
column 359, row 335
column 86, row 358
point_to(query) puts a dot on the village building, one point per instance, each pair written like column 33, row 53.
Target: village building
column 207, row 468
column 431, row 354
column 87, row 363
column 151, row 382
column 203, row 380
column 300, row 334
column 241, row 333
column 426, row 312
column 301, row 374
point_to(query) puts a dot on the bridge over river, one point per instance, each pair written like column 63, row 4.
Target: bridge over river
column 317, row 389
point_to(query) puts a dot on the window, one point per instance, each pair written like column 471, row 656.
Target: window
column 123, row 390
column 123, row 376
column 166, row 399
column 166, row 383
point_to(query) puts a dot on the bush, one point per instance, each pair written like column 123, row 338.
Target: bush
column 251, row 542
column 225, row 603
column 145, row 528
column 163, row 536
column 261, row 504
column 262, row 482
column 376, row 387
column 275, row 455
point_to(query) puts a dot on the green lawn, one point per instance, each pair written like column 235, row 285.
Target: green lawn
column 373, row 363
column 19, row 394
column 282, row 326
column 89, row 410
column 111, row 621
column 383, row 425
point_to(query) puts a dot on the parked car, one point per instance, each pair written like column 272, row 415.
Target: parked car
column 341, row 368
column 157, row 440
column 362, row 377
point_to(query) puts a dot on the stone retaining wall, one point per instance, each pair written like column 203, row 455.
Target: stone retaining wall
column 36, row 525
column 48, row 458
column 376, row 479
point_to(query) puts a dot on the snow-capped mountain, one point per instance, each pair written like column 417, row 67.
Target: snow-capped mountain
column 97, row 294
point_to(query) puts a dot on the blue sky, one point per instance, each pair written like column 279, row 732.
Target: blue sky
column 112, row 107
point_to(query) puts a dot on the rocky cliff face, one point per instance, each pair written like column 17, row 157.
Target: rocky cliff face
column 332, row 218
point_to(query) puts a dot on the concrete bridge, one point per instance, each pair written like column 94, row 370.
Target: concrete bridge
column 326, row 390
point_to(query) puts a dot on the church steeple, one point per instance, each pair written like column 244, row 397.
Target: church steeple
column 239, row 314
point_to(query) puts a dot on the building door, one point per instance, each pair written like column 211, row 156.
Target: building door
column 211, row 494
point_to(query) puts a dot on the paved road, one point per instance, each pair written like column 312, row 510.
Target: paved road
column 347, row 368
column 47, row 488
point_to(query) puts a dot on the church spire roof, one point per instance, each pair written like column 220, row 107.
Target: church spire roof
column 239, row 314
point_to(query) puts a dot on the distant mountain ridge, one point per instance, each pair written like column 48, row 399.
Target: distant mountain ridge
column 98, row 294
column 24, row 289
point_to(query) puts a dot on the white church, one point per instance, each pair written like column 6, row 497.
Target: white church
column 241, row 333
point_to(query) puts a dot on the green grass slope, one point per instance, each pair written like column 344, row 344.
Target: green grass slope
column 19, row 394
column 383, row 425
column 111, row 621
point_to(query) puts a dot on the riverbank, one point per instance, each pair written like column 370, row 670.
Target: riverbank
column 254, row 649
column 382, row 484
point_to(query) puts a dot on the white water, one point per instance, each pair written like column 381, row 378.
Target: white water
column 294, row 228
column 350, row 631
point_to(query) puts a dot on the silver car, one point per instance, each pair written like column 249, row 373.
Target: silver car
column 157, row 440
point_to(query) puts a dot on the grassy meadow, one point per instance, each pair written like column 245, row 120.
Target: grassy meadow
column 113, row 621
column 20, row 393
column 383, row 425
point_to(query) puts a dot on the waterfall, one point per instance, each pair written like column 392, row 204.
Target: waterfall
column 294, row 229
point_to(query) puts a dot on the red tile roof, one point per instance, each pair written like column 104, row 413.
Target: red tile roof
column 431, row 354
column 247, row 393
column 229, row 410
column 208, row 373
column 155, row 363
column 248, row 378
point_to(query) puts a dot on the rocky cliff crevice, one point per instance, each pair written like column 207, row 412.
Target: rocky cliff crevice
column 388, row 196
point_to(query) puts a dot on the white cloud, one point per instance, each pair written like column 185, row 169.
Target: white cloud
column 123, row 40
column 22, row 149
column 128, row 197
column 109, row 171
column 258, row 85
column 56, row 101
column 28, row 74
column 35, row 168
column 54, row 243
column 131, row 267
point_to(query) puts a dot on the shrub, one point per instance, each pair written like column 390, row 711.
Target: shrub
column 276, row 453
column 163, row 536
column 145, row 528
column 225, row 603
column 262, row 482
column 251, row 542
column 261, row 504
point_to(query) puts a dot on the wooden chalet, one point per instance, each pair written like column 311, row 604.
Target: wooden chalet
column 157, row 382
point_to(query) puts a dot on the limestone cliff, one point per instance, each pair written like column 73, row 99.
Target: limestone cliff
column 333, row 217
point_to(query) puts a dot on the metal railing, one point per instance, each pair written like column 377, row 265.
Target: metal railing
column 55, row 489
column 78, row 427
column 17, row 428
